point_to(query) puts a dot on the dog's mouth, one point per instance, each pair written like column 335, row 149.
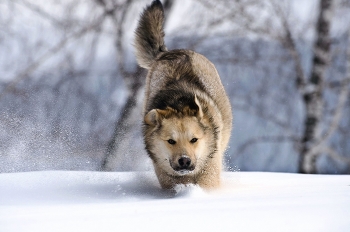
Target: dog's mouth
column 183, row 172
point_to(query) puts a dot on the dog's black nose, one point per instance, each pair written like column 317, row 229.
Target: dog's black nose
column 184, row 162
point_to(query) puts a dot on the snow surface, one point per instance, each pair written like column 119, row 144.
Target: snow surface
column 133, row 201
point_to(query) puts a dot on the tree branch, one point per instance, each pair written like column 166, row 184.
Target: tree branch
column 47, row 55
column 332, row 153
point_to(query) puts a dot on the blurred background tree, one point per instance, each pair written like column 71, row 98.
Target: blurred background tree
column 71, row 92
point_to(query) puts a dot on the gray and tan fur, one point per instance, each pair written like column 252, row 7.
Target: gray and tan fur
column 187, row 114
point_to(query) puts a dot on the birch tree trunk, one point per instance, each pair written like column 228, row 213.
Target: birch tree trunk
column 313, row 90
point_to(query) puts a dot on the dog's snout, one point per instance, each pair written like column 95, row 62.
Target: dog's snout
column 184, row 162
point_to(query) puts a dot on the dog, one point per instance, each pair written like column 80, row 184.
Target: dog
column 187, row 114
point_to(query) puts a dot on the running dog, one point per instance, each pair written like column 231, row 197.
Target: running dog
column 187, row 114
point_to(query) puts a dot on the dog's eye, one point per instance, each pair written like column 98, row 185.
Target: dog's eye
column 172, row 142
column 193, row 140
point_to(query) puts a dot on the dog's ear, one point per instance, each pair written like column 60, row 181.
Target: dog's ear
column 154, row 117
column 200, row 111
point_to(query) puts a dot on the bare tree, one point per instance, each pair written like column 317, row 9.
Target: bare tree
column 313, row 88
column 271, row 19
column 48, row 86
column 314, row 140
column 134, row 82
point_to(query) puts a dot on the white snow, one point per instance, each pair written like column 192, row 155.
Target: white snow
column 132, row 201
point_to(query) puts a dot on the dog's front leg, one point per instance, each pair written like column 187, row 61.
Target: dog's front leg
column 210, row 176
column 166, row 181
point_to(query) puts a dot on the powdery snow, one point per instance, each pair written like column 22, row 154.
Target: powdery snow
column 133, row 201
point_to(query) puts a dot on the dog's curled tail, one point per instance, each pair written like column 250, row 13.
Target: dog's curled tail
column 149, row 35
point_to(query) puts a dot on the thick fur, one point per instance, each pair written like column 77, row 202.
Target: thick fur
column 187, row 114
column 150, row 35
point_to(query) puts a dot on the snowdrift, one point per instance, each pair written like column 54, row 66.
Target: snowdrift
column 133, row 201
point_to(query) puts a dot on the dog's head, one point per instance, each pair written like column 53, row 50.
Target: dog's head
column 179, row 141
